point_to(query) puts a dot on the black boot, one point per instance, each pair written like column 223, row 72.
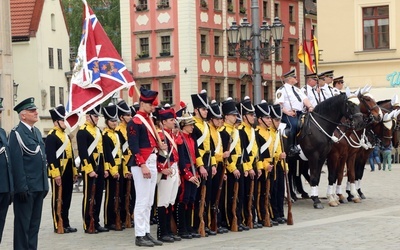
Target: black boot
column 162, row 233
column 142, row 241
column 181, row 222
column 169, row 216
column 189, row 227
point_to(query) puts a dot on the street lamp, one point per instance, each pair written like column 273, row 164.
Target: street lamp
column 15, row 91
column 253, row 43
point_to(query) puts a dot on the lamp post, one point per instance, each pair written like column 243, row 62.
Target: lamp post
column 254, row 43
column 15, row 91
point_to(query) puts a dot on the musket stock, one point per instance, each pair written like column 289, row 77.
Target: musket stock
column 128, row 219
column 60, row 226
column 118, row 226
column 92, row 228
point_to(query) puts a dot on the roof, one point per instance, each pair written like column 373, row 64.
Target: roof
column 25, row 18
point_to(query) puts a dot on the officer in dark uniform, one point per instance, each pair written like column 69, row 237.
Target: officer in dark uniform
column 250, row 158
column 90, row 150
column 62, row 170
column 206, row 162
column 125, row 115
column 6, row 181
column 143, row 144
column 29, row 171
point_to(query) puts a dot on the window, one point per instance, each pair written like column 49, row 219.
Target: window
column 265, row 90
column 376, row 27
column 277, row 10
column 216, row 45
column 59, row 58
column 291, row 14
column 278, row 54
column 52, row 96
column 203, row 44
column 265, row 13
column 53, row 22
column 204, row 85
column 144, row 47
column 292, row 52
column 61, row 95
column 203, row 3
column 165, row 46
column 167, row 92
column 163, row 4
column 242, row 8
column 145, row 85
column 242, row 90
column 51, row 58
column 217, row 5
column 141, row 5
column 218, row 92
column 230, row 5
column 231, row 90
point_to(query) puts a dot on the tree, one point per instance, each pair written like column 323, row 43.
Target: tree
column 108, row 13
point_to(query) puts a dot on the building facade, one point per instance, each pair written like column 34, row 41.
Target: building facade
column 181, row 47
column 361, row 43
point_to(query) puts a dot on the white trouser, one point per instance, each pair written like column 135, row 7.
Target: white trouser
column 145, row 189
column 168, row 189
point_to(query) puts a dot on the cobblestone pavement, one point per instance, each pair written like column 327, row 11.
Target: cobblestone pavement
column 372, row 224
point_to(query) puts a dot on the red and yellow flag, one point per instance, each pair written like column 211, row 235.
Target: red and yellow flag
column 304, row 55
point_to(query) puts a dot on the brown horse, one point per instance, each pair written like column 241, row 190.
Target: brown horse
column 344, row 152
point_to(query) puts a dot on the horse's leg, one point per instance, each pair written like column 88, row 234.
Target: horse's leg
column 292, row 162
column 351, row 178
column 315, row 172
column 298, row 181
column 360, row 167
column 332, row 162
column 340, row 174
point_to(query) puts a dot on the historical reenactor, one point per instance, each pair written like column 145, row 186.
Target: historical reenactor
column 293, row 102
column 278, row 185
column 128, row 190
column 265, row 163
column 28, row 161
column 62, row 171
column 338, row 83
column 6, row 181
column 168, row 175
column 206, row 162
column 312, row 90
column 134, row 108
column 114, row 172
column 188, row 153
column 215, row 121
column 234, row 166
column 90, row 148
column 327, row 78
column 250, row 158
column 143, row 143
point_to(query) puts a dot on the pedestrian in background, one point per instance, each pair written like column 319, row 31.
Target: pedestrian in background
column 374, row 156
column 387, row 157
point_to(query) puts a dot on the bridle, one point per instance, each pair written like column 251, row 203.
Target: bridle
column 370, row 117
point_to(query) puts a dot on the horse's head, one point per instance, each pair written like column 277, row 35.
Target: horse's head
column 396, row 128
column 352, row 110
column 372, row 112
column 384, row 129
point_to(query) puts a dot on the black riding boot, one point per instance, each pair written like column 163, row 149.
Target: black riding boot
column 181, row 221
column 162, row 232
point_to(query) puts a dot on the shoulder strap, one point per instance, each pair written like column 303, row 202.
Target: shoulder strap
column 61, row 149
column 201, row 139
column 95, row 141
column 146, row 124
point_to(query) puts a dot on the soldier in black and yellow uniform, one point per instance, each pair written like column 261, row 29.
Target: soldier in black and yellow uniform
column 265, row 163
column 206, row 162
column 6, row 181
column 29, row 170
column 215, row 122
column 278, row 184
column 232, row 156
column 250, row 158
column 113, row 170
column 90, row 150
column 125, row 115
column 62, row 170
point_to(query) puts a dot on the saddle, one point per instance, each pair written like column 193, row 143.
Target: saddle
column 303, row 121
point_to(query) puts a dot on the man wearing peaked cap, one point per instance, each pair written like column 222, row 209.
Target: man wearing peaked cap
column 62, row 170
column 277, row 174
column 250, row 158
column 311, row 89
column 291, row 74
column 125, row 115
column 327, row 77
column 168, row 175
column 215, row 121
column 29, row 175
column 206, row 162
column 143, row 143
column 6, row 180
column 232, row 149
column 338, row 84
column 113, row 169
column 263, row 140
column 90, row 150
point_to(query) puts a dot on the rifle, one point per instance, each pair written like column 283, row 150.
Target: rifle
column 128, row 219
column 92, row 228
column 234, row 225
column 214, row 221
column 202, row 204
column 267, row 221
column 250, row 204
column 289, row 198
column 60, row 226
column 118, row 226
